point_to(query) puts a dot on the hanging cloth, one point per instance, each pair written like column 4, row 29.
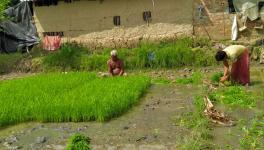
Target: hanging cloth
column 51, row 43
column 234, row 29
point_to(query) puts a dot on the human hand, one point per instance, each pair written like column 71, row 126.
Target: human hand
column 223, row 79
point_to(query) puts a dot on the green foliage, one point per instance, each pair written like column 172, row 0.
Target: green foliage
column 9, row 61
column 195, row 78
column 75, row 57
column 234, row 96
column 202, row 42
column 57, row 97
column 3, row 4
column 79, row 142
column 67, row 58
column 94, row 62
column 141, row 55
column 253, row 135
column 216, row 77
column 171, row 55
column 200, row 136
column 146, row 55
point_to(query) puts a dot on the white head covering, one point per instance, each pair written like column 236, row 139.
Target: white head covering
column 114, row 52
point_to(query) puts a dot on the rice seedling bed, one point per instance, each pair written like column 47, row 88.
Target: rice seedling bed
column 58, row 97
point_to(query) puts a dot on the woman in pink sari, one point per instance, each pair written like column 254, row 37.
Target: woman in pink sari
column 239, row 57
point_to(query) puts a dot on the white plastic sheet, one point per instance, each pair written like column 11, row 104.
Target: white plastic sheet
column 248, row 8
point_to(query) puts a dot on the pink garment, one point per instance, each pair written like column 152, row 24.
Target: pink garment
column 240, row 69
column 115, row 67
column 51, row 43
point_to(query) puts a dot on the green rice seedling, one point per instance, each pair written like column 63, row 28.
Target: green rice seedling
column 216, row 77
column 57, row 97
column 234, row 96
column 79, row 142
column 195, row 78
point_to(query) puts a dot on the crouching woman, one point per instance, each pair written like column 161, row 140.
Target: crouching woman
column 238, row 56
column 115, row 65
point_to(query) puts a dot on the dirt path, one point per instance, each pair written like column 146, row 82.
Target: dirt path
column 14, row 76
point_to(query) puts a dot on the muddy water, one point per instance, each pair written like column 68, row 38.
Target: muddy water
column 225, row 136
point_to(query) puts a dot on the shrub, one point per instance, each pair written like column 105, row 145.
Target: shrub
column 68, row 57
column 94, row 62
column 79, row 142
column 141, row 55
column 9, row 61
column 147, row 55
column 202, row 42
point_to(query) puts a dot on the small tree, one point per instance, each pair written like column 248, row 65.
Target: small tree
column 3, row 4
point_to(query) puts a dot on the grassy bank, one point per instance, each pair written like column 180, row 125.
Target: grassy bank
column 68, row 97
column 174, row 54
column 8, row 62
column 75, row 57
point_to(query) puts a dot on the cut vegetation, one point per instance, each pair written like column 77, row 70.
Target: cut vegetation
column 68, row 97
column 234, row 96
